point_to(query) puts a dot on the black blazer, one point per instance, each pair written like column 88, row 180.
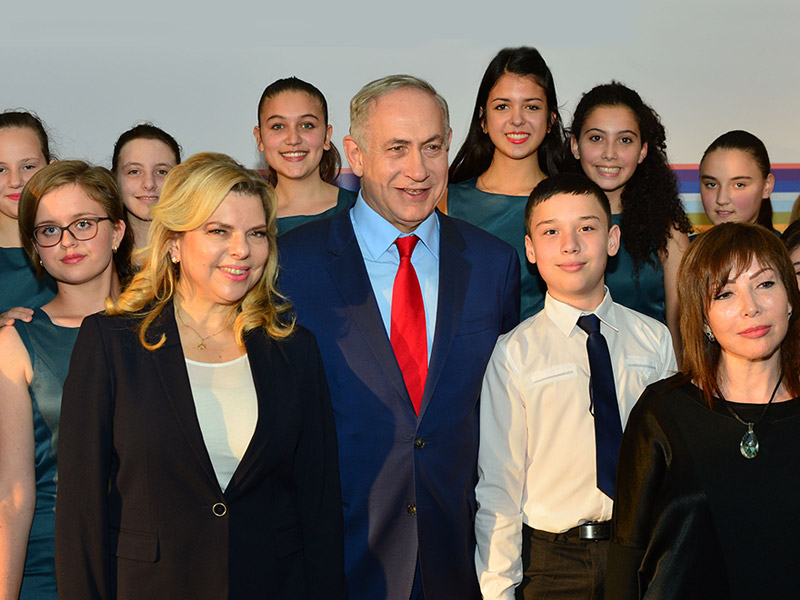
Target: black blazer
column 139, row 511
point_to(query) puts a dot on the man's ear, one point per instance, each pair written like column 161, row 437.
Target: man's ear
column 613, row 240
column 530, row 253
column 354, row 155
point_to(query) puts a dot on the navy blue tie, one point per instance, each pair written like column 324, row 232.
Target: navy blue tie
column 607, row 422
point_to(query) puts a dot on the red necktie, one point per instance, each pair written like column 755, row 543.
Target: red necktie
column 408, row 336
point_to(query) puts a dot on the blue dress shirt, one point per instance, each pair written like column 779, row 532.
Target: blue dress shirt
column 375, row 237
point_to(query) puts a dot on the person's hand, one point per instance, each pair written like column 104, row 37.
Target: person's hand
column 12, row 314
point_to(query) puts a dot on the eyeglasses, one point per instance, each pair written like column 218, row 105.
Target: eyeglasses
column 82, row 230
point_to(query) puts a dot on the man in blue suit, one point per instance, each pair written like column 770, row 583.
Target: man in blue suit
column 406, row 411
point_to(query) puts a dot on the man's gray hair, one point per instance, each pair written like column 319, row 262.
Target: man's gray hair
column 360, row 105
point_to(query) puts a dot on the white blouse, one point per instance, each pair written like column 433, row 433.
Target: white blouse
column 227, row 409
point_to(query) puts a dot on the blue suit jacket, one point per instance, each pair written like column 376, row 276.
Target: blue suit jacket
column 407, row 482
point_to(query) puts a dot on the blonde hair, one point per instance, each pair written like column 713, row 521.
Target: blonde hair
column 361, row 104
column 192, row 192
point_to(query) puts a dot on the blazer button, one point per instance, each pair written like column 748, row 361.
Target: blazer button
column 219, row 509
column 419, row 443
column 411, row 509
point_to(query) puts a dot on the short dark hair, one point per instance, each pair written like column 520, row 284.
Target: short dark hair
column 566, row 183
column 145, row 131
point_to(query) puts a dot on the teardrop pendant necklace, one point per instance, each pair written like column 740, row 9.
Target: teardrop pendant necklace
column 748, row 445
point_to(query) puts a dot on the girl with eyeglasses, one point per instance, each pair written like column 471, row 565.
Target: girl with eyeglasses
column 72, row 225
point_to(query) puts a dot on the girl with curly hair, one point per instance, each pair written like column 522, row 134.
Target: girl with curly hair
column 619, row 143
column 515, row 140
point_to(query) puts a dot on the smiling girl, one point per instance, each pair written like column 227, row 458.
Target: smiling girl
column 618, row 142
column 515, row 140
column 72, row 224
column 143, row 156
column 24, row 149
column 735, row 180
column 294, row 135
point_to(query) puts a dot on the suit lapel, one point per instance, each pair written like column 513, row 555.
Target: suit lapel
column 349, row 276
column 454, row 273
column 268, row 377
column 170, row 365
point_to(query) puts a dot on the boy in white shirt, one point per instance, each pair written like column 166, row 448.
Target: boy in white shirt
column 550, row 432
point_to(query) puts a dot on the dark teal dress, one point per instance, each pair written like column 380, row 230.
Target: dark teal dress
column 18, row 283
column 343, row 201
column 643, row 292
column 50, row 348
column 504, row 217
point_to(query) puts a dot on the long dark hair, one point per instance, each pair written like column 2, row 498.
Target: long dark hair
column 331, row 162
column 750, row 144
column 651, row 203
column 475, row 154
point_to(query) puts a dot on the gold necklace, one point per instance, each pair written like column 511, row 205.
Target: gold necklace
column 202, row 343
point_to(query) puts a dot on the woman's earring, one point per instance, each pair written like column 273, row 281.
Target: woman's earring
column 790, row 313
column 710, row 334
column 114, row 248
column 174, row 260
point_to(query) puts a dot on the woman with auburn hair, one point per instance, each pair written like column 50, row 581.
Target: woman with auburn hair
column 72, row 223
column 707, row 470
column 198, row 448
column 515, row 140
column 294, row 135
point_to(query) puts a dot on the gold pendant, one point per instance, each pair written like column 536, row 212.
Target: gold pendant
column 201, row 345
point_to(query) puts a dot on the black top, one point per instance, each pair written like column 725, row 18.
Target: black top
column 693, row 518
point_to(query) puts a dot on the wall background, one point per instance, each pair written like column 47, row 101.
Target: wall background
column 92, row 69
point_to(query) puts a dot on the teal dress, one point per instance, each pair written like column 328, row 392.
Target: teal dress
column 643, row 292
column 504, row 217
column 50, row 347
column 18, row 283
column 343, row 201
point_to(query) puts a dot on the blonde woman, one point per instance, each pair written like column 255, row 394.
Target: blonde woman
column 198, row 449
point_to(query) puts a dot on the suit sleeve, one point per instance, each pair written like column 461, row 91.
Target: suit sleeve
column 511, row 294
column 641, row 470
column 83, row 567
column 316, row 473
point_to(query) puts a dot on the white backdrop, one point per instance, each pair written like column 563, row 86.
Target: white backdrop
column 93, row 69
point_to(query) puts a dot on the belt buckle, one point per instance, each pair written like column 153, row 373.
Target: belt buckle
column 595, row 531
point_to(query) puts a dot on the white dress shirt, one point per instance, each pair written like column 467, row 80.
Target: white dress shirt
column 536, row 463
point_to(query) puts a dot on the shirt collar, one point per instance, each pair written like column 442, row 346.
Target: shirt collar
column 378, row 235
column 565, row 317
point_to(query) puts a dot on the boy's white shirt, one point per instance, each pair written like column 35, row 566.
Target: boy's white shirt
column 536, row 463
